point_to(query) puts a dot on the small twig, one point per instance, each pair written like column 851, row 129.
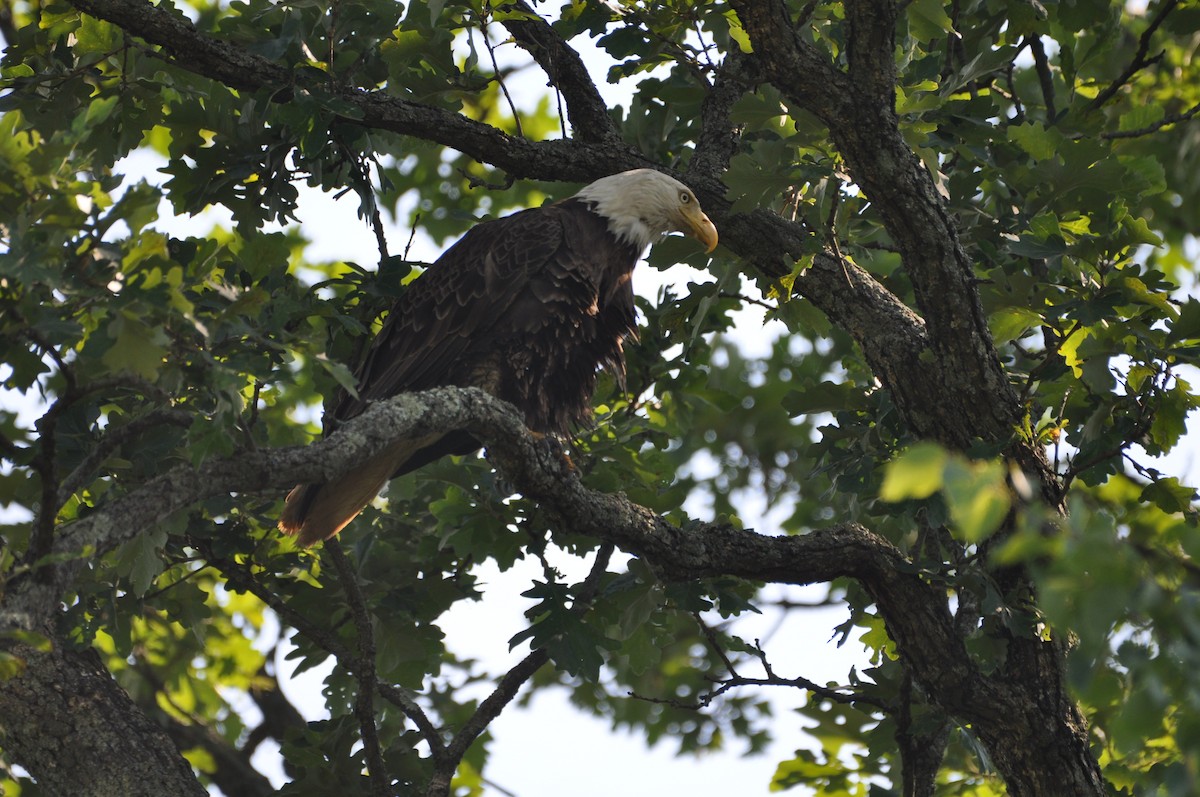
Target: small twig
column 1140, row 427
column 412, row 236
column 762, row 658
column 364, row 704
column 333, row 25
column 710, row 636
column 704, row 48
column 150, row 596
column 831, row 229
column 1018, row 108
column 366, row 193
column 741, row 297
column 788, row 605
column 247, row 427
column 1172, row 119
column 491, row 784
column 113, row 439
column 487, row 43
column 735, row 679
column 479, row 182
column 1140, row 61
column 798, row 682
column 562, row 116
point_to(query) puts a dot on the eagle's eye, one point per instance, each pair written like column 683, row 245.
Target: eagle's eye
column 685, row 197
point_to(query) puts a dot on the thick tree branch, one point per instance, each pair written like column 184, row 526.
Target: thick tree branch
column 719, row 136
column 710, row 550
column 964, row 373
column 241, row 69
column 586, row 109
column 915, row 612
column 778, row 46
column 872, row 65
column 1026, row 723
column 922, row 742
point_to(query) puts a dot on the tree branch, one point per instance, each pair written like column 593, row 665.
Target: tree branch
column 280, row 717
column 364, row 705
column 586, row 109
column 965, row 375
column 1041, row 65
column 872, row 65
column 113, row 439
column 915, row 613
column 890, row 334
column 719, row 136
column 233, row 772
column 509, row 685
column 1166, row 121
column 240, row 578
column 1140, row 61
column 922, row 743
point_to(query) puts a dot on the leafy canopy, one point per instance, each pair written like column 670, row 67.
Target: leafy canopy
column 1073, row 186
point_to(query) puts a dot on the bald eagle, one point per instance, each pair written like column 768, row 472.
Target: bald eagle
column 527, row 307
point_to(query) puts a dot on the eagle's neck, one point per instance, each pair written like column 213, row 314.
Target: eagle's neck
column 624, row 222
column 631, row 231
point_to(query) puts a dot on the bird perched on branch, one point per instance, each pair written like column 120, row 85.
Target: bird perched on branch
column 527, row 307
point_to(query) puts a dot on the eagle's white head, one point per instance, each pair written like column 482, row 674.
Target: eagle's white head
column 643, row 205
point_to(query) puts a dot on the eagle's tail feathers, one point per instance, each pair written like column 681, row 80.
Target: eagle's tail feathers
column 315, row 512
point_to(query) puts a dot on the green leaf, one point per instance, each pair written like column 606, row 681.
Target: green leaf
column 1140, row 232
column 17, row 71
column 977, row 496
column 1011, row 323
column 95, row 36
column 39, row 642
column 1036, row 139
column 11, row 666
column 1169, row 495
column 136, row 348
column 1070, row 350
column 917, row 473
column 928, row 20
column 1187, row 325
column 140, row 559
column 825, row 397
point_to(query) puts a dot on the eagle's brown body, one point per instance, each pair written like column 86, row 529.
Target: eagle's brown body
column 527, row 307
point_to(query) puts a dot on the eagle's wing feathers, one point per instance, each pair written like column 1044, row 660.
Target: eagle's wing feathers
column 458, row 303
column 454, row 305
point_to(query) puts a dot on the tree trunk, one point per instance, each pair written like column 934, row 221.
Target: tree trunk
column 78, row 733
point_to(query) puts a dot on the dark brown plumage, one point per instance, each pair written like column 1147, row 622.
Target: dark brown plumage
column 526, row 307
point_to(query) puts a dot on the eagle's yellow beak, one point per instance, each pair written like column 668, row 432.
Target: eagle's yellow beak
column 700, row 227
